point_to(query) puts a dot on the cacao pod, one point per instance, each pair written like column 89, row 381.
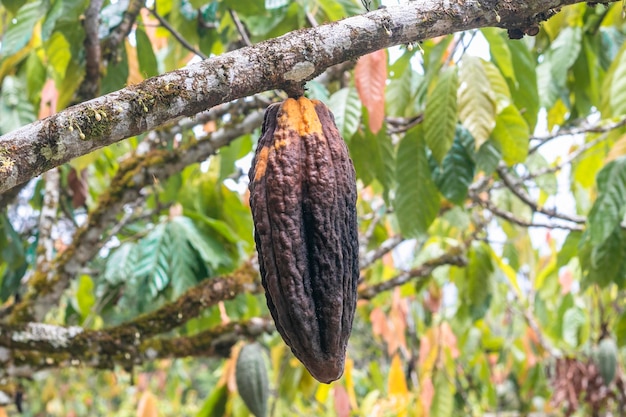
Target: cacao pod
column 303, row 200
column 251, row 378
column 606, row 357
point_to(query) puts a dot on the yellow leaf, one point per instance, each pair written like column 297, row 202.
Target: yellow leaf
column 397, row 380
column 147, row 406
column 350, row 383
column 321, row 395
column 618, row 149
column 134, row 75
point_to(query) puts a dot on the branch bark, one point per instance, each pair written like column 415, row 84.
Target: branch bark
column 284, row 62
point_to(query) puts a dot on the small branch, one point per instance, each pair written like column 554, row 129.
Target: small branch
column 516, row 188
column 47, row 220
column 90, row 86
column 117, row 36
column 453, row 257
column 510, row 217
column 570, row 158
column 175, row 34
column 240, row 27
column 387, row 246
column 572, row 131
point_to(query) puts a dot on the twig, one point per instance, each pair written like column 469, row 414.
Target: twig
column 516, row 188
column 453, row 257
column 240, row 27
column 597, row 128
column 122, row 30
column 90, row 86
column 506, row 215
column 175, row 33
column 384, row 248
column 570, row 158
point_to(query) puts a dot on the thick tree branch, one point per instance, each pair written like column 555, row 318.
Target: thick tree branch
column 283, row 62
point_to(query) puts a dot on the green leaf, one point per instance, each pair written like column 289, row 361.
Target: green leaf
column 400, row 92
column 231, row 153
column 603, row 264
column 560, row 57
column 15, row 111
column 511, row 133
column 441, row 114
column 499, row 86
column 85, row 298
column 184, row 269
column 456, row 173
column 569, row 249
column 121, row 263
column 215, row 404
column 145, row 55
column 153, row 264
column 617, row 91
column 20, row 30
column 59, row 56
column 524, row 91
column 564, row 52
column 116, row 74
column 12, row 258
column 346, row 107
column 373, row 157
column 209, row 249
column 12, row 5
column 610, row 206
column 499, row 50
column 443, row 400
column 573, row 321
column 486, row 157
column 478, row 280
column 476, row 100
column 417, row 200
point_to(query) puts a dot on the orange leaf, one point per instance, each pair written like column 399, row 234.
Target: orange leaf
column 566, row 279
column 397, row 318
column 147, row 406
column 427, row 393
column 397, row 380
column 134, row 75
column 342, row 402
column 448, row 339
column 370, row 76
column 379, row 322
column 49, row 98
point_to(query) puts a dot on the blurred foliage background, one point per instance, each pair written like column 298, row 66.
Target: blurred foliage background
column 492, row 196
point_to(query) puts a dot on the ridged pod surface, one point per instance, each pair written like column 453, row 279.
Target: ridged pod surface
column 303, row 200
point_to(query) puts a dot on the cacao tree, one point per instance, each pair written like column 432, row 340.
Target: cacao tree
column 488, row 142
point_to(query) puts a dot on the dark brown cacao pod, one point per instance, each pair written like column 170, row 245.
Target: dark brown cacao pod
column 303, row 200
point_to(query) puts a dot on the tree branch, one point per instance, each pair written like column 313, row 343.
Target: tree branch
column 277, row 63
column 453, row 257
column 516, row 187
